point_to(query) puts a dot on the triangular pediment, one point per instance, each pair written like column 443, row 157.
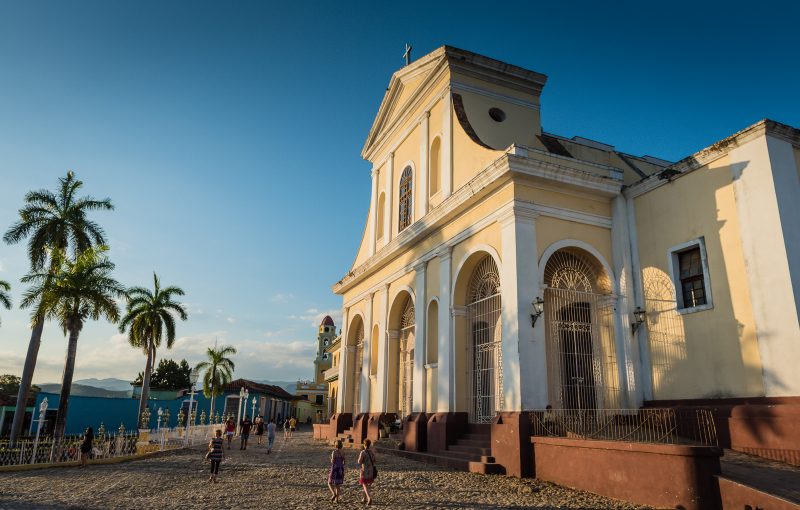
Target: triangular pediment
column 404, row 89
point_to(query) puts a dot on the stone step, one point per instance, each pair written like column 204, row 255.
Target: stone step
column 460, row 455
column 470, row 449
column 479, row 437
column 474, row 443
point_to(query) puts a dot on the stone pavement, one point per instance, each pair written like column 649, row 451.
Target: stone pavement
column 293, row 476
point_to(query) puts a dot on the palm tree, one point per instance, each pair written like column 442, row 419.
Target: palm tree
column 5, row 299
column 219, row 371
column 149, row 314
column 78, row 290
column 52, row 222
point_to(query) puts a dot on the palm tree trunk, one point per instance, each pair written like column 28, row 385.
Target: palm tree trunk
column 213, row 387
column 148, row 371
column 66, row 382
column 27, row 378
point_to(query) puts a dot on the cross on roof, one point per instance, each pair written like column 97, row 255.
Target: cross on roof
column 407, row 54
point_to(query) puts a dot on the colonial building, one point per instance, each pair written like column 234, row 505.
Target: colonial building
column 504, row 268
column 312, row 396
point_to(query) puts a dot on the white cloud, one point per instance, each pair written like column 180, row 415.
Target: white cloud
column 282, row 298
column 314, row 316
column 230, row 320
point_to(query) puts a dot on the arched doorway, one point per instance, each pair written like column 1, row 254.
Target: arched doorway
column 407, row 338
column 579, row 308
column 484, row 356
column 355, row 352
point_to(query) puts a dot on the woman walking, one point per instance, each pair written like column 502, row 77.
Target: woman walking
column 230, row 428
column 215, row 454
column 366, row 460
column 86, row 445
column 336, row 474
column 260, row 429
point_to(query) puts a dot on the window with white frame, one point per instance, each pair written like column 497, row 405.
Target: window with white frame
column 689, row 268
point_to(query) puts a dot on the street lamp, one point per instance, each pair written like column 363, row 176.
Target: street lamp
column 160, row 413
column 253, row 414
column 42, row 412
column 193, row 376
column 537, row 310
column 638, row 318
column 239, row 412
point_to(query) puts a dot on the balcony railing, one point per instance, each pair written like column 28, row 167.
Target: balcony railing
column 655, row 426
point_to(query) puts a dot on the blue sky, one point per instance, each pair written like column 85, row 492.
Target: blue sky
column 228, row 135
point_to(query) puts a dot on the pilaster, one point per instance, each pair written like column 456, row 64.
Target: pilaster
column 422, row 177
column 364, row 406
column 343, row 383
column 420, row 340
column 445, row 365
column 387, row 213
column 519, row 283
column 373, row 224
column 447, row 145
column 627, row 350
column 382, row 386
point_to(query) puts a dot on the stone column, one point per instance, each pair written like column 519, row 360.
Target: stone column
column 420, row 340
column 422, row 175
column 389, row 193
column 343, row 386
column 626, row 349
column 373, row 224
column 524, row 360
column 383, row 354
column 645, row 376
column 445, row 366
column 447, row 145
column 367, row 356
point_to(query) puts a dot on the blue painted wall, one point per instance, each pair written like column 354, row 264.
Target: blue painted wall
column 91, row 411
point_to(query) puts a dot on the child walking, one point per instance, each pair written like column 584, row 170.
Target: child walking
column 336, row 474
column 366, row 459
column 216, row 452
column 270, row 434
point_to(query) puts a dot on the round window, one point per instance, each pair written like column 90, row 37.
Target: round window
column 497, row 114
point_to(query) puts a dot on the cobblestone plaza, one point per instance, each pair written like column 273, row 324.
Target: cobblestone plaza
column 293, row 476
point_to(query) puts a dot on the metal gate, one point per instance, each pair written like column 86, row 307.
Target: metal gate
column 358, row 359
column 407, row 337
column 582, row 362
column 485, row 349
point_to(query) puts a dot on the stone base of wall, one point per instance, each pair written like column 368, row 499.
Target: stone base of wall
column 415, row 432
column 443, row 429
column 664, row 476
column 736, row 496
column 768, row 427
column 374, row 424
column 510, row 437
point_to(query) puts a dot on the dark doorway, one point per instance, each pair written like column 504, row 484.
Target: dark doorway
column 577, row 357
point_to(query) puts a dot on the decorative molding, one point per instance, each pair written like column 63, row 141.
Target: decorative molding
column 457, row 85
column 458, row 311
column 429, row 366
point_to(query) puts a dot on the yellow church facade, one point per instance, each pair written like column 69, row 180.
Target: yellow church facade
column 504, row 268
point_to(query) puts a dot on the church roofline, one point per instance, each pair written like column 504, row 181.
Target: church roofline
column 713, row 152
column 465, row 62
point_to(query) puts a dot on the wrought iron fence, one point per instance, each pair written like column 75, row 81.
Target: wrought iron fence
column 105, row 446
column 656, row 426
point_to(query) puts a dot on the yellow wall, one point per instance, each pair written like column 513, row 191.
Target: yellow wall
column 711, row 353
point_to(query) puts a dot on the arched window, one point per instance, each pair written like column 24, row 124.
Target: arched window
column 381, row 207
column 406, row 198
column 433, row 168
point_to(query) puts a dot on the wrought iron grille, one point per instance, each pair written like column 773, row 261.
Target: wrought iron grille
column 579, row 326
column 407, row 339
column 485, row 343
column 656, row 426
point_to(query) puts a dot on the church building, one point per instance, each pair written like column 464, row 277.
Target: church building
column 504, row 268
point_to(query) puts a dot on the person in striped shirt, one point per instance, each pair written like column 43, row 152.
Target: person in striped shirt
column 216, row 453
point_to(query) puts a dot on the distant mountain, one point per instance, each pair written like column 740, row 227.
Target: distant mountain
column 82, row 390
column 286, row 385
column 110, row 383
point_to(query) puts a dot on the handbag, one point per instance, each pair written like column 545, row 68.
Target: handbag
column 374, row 467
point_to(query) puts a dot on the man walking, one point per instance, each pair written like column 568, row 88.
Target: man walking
column 270, row 435
column 292, row 426
column 245, row 427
